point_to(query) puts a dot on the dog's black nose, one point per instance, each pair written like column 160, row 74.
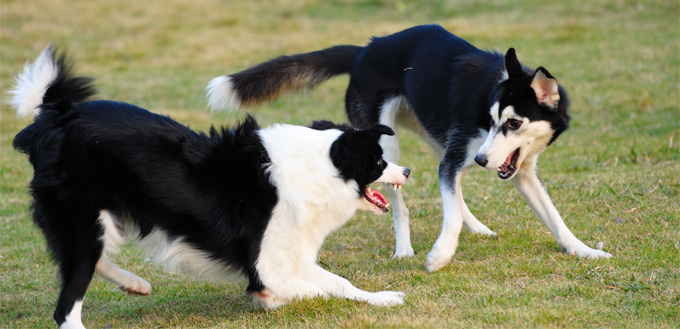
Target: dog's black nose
column 481, row 160
column 407, row 172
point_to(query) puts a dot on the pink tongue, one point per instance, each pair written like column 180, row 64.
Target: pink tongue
column 377, row 195
column 508, row 160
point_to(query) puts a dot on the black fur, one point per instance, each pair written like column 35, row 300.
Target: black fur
column 357, row 154
column 211, row 190
column 445, row 89
column 449, row 83
column 319, row 66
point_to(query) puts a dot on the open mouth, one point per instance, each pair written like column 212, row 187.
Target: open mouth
column 377, row 199
column 510, row 166
column 396, row 186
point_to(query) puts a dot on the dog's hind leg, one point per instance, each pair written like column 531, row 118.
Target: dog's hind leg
column 391, row 153
column 125, row 281
column 473, row 225
column 534, row 192
column 112, row 238
column 73, row 237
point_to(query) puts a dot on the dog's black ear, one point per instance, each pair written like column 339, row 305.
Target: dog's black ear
column 512, row 65
column 326, row 124
column 546, row 88
column 383, row 130
column 323, row 125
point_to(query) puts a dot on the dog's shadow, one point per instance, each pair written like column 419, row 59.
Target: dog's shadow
column 173, row 302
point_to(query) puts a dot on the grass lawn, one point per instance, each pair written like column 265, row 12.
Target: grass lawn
column 613, row 176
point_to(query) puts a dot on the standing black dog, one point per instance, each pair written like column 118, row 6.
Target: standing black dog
column 469, row 105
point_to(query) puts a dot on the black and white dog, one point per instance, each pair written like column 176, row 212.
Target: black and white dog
column 253, row 202
column 469, row 105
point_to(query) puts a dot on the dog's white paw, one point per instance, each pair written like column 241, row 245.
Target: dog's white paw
column 268, row 300
column 136, row 287
column 437, row 258
column 586, row 252
column 403, row 252
column 474, row 226
column 387, row 298
column 486, row 231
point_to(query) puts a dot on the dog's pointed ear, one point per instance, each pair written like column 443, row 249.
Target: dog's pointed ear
column 512, row 65
column 363, row 136
column 546, row 88
column 383, row 130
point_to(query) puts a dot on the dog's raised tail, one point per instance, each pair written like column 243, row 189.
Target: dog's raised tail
column 265, row 82
column 48, row 80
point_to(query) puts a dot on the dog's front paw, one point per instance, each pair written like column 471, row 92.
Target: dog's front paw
column 387, row 298
column 437, row 258
column 586, row 252
column 403, row 252
column 268, row 300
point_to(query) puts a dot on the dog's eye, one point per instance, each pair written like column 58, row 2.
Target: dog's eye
column 513, row 123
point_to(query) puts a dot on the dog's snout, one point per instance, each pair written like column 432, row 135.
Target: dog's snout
column 407, row 172
column 481, row 160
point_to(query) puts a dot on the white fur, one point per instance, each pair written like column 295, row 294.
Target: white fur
column 471, row 223
column 183, row 257
column 313, row 201
column 494, row 112
column 453, row 209
column 73, row 319
column 456, row 213
column 529, row 184
column 531, row 138
column 31, row 84
column 112, row 239
column 397, row 109
column 221, row 94
column 390, row 146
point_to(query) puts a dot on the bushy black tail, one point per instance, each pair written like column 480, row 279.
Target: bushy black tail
column 46, row 85
column 49, row 80
column 264, row 82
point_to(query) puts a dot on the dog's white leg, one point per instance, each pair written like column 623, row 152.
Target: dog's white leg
column 112, row 239
column 73, row 319
column 391, row 153
column 126, row 281
column 531, row 187
column 281, row 292
column 469, row 220
column 401, row 224
column 340, row 287
column 472, row 224
column 453, row 208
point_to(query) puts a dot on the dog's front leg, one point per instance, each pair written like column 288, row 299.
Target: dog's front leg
column 340, row 287
column 400, row 213
column 453, row 208
column 535, row 193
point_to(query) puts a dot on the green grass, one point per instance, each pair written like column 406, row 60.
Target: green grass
column 612, row 176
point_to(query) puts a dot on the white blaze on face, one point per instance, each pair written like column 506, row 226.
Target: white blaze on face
column 393, row 174
column 530, row 138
